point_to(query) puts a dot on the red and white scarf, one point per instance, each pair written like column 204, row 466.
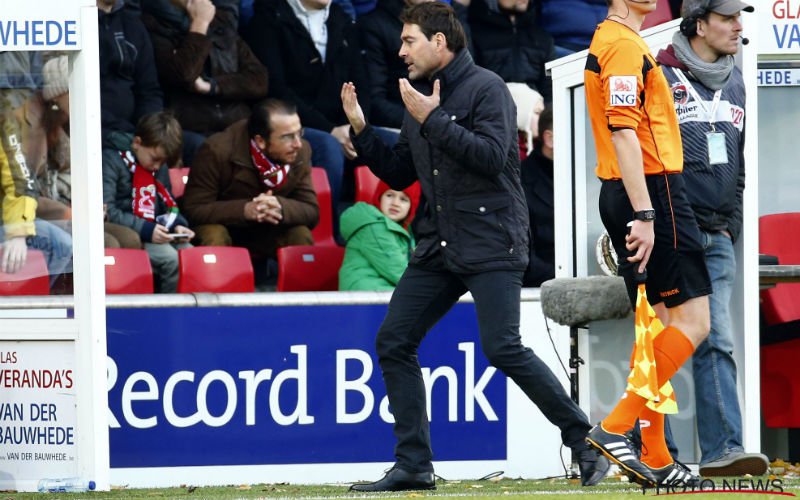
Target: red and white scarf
column 273, row 176
column 145, row 190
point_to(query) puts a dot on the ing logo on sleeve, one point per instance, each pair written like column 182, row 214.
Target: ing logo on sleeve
column 622, row 91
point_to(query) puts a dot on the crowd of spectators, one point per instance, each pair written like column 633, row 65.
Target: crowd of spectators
column 204, row 66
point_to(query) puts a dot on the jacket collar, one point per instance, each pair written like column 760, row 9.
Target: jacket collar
column 667, row 57
column 454, row 72
column 240, row 143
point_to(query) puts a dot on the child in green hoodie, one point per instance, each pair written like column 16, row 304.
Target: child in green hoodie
column 379, row 242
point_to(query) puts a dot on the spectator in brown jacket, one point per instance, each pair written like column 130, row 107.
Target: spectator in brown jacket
column 208, row 73
column 250, row 185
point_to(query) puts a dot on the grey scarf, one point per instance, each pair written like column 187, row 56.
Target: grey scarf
column 712, row 75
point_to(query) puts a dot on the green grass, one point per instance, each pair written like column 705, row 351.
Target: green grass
column 479, row 490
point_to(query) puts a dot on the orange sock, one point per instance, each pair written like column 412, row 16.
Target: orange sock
column 671, row 349
column 654, row 445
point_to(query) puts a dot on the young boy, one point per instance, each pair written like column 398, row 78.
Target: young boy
column 136, row 189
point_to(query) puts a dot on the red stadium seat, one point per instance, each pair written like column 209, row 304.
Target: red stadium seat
column 305, row 268
column 32, row 279
column 366, row 184
column 779, row 235
column 323, row 231
column 178, row 177
column 128, row 271
column 215, row 269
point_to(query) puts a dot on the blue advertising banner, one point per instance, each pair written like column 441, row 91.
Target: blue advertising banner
column 287, row 385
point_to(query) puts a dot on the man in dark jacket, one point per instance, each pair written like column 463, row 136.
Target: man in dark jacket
column 251, row 184
column 709, row 95
column 208, row 72
column 508, row 42
column 310, row 48
column 537, row 183
column 380, row 39
column 573, row 32
column 459, row 140
column 128, row 80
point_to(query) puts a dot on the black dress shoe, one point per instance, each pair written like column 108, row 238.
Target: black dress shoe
column 593, row 466
column 399, row 480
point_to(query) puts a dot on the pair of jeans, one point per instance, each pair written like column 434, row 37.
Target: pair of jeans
column 422, row 297
column 719, row 418
column 164, row 259
column 54, row 243
column 326, row 152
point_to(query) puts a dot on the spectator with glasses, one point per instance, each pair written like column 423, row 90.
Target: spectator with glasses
column 251, row 186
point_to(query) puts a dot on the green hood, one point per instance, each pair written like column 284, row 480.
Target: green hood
column 377, row 249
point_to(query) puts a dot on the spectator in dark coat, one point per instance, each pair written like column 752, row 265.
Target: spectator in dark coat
column 129, row 86
column 572, row 32
column 537, row 184
column 208, row 72
column 508, row 42
column 310, row 48
column 380, row 38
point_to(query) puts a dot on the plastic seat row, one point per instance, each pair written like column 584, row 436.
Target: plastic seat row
column 216, row 269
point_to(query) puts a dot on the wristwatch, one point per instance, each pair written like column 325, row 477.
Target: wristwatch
column 645, row 215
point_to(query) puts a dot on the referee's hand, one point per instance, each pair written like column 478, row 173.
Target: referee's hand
column 640, row 240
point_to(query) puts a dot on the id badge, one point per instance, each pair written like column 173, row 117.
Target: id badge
column 717, row 152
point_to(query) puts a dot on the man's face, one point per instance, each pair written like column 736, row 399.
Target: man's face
column 514, row 5
column 284, row 141
column 105, row 4
column 149, row 158
column 721, row 33
column 419, row 53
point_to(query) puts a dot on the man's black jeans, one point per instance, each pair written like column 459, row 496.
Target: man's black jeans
column 421, row 298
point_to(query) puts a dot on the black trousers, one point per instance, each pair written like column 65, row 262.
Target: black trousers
column 421, row 298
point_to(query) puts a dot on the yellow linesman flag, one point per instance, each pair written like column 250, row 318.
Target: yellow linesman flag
column 643, row 379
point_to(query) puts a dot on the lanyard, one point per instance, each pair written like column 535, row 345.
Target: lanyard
column 712, row 114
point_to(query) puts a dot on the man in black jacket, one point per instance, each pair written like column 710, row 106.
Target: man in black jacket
column 459, row 140
column 537, row 184
column 380, row 40
column 129, row 86
column 508, row 42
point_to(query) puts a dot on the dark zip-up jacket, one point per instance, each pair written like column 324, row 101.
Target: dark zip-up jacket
column 537, row 184
column 466, row 158
column 516, row 50
column 129, row 86
column 295, row 66
column 715, row 191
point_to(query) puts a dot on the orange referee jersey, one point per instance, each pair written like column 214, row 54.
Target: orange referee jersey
column 625, row 88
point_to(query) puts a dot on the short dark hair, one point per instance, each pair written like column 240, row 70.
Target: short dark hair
column 545, row 121
column 437, row 17
column 260, row 120
column 161, row 129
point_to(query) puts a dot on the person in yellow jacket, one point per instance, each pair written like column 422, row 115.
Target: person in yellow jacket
column 21, row 230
